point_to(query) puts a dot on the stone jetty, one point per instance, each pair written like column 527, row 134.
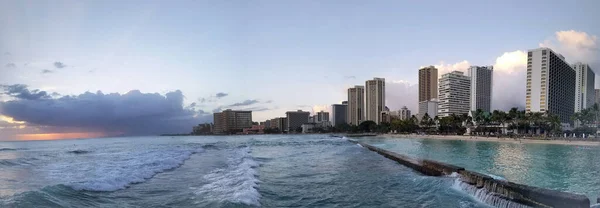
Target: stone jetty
column 518, row 193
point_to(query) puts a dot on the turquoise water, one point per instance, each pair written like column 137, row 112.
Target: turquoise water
column 270, row 171
column 560, row 167
column 227, row 171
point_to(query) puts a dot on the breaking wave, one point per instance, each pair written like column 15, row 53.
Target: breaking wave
column 482, row 195
column 235, row 183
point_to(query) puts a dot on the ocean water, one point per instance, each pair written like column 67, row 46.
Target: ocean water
column 569, row 168
column 263, row 171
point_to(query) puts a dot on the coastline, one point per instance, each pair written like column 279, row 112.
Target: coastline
column 492, row 139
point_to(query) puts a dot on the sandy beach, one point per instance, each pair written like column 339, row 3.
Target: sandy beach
column 494, row 139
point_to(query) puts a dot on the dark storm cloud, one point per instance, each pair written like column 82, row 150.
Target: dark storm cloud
column 46, row 71
column 20, row 91
column 221, row 95
column 59, row 65
column 133, row 113
column 10, row 65
column 244, row 103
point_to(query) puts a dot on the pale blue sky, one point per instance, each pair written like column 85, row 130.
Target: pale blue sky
column 291, row 52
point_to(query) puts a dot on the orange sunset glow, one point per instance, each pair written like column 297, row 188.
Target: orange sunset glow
column 55, row 136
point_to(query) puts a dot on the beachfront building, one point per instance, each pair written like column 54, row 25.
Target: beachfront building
column 295, row 119
column 338, row 113
column 550, row 84
column 356, row 105
column 322, row 116
column 201, row 129
column 386, row 117
column 279, row 123
column 428, row 83
column 375, row 99
column 454, row 94
column 481, row 87
column 585, row 95
column 430, row 107
column 404, row 113
column 231, row 122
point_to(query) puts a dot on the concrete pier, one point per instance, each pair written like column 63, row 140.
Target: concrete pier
column 519, row 193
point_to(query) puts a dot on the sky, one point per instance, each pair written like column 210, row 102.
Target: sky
column 72, row 69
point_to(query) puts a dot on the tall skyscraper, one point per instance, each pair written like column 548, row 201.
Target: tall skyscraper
column 481, row 87
column 375, row 99
column 295, row 119
column 428, row 83
column 338, row 113
column 356, row 105
column 229, row 121
column 585, row 95
column 430, row 107
column 597, row 92
column 454, row 94
column 550, row 84
column 404, row 113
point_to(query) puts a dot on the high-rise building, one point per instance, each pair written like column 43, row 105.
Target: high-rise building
column 404, row 113
column 550, row 84
column 428, row 83
column 229, row 121
column 481, row 87
column 322, row 116
column 279, row 123
column 375, row 99
column 386, row 117
column 338, row 113
column 454, row 94
column 430, row 107
column 597, row 92
column 295, row 119
column 356, row 105
column 585, row 95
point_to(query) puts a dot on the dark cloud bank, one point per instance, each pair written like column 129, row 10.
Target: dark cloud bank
column 132, row 113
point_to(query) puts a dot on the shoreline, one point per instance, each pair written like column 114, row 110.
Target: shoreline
column 492, row 139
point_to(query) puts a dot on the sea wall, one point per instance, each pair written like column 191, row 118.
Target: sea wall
column 519, row 193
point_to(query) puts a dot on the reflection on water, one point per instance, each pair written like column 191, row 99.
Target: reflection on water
column 559, row 167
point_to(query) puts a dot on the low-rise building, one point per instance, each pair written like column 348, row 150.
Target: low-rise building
column 202, row 129
column 255, row 129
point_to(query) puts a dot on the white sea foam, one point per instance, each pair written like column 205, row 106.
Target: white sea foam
column 359, row 145
column 497, row 177
column 482, row 195
column 113, row 171
column 236, row 183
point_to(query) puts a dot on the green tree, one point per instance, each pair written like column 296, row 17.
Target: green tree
column 367, row 126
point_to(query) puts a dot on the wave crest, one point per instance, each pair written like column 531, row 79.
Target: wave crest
column 235, row 183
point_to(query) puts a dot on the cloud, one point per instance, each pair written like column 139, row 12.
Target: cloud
column 509, row 80
column 577, row 46
column 46, row 71
column 269, row 101
column 244, row 103
column 7, row 54
column 444, row 68
column 221, row 95
column 400, row 93
column 318, row 108
column 349, row 77
column 132, row 113
column 59, row 65
column 10, row 65
column 20, row 91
